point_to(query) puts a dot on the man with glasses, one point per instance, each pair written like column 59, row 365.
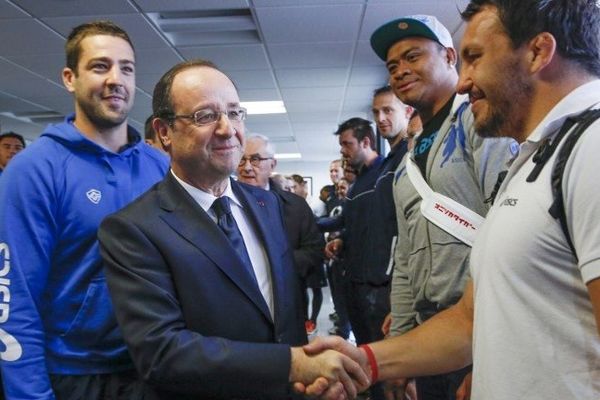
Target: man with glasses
column 257, row 163
column 199, row 268
column 255, row 168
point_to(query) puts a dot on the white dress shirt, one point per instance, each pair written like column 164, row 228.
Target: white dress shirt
column 256, row 250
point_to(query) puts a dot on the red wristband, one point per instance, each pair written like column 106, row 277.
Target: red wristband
column 372, row 362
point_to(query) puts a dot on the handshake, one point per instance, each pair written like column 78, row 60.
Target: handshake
column 331, row 368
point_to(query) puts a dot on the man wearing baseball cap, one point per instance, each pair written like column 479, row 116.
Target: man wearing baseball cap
column 431, row 264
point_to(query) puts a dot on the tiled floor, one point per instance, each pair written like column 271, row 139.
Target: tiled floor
column 324, row 324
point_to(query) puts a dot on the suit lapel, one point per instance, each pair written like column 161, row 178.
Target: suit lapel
column 190, row 221
column 265, row 216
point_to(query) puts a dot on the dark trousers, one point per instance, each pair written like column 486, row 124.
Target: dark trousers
column 440, row 387
column 368, row 305
column 117, row 386
column 339, row 292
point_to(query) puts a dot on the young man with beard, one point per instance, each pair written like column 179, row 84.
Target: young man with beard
column 530, row 319
column 58, row 326
column 369, row 217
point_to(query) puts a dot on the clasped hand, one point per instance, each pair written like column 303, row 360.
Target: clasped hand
column 330, row 368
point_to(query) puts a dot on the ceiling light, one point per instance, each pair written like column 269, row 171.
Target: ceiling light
column 264, row 107
column 288, row 156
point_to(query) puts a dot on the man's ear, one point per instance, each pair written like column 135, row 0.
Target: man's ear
column 451, row 57
column 161, row 127
column 366, row 142
column 68, row 78
column 274, row 163
column 540, row 51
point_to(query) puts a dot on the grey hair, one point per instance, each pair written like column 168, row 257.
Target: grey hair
column 269, row 147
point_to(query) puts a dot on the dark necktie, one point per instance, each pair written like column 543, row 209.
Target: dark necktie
column 227, row 224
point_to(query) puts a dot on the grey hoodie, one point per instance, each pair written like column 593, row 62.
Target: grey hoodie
column 431, row 266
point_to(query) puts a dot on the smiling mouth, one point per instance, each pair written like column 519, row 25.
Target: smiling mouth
column 114, row 99
column 405, row 86
column 475, row 97
column 225, row 148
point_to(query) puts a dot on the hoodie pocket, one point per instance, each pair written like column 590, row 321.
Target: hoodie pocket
column 95, row 321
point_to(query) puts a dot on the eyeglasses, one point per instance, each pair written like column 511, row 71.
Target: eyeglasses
column 209, row 116
column 254, row 160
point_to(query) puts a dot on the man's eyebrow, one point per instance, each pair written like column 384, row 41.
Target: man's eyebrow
column 402, row 55
column 110, row 60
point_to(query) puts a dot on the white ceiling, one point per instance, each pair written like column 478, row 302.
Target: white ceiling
column 312, row 54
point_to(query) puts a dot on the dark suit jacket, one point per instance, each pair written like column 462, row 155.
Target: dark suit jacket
column 194, row 320
column 303, row 234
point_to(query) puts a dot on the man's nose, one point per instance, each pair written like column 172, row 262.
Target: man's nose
column 224, row 127
column 246, row 166
column 115, row 76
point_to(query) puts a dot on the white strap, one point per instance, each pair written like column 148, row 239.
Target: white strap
column 447, row 214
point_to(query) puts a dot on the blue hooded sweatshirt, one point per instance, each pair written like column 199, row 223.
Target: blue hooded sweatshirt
column 56, row 316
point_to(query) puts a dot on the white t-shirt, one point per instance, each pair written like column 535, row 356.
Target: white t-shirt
column 535, row 334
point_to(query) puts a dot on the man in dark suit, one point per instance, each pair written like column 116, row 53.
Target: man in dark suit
column 199, row 268
column 255, row 168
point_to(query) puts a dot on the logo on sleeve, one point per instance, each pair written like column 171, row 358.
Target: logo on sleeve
column 94, row 195
column 12, row 348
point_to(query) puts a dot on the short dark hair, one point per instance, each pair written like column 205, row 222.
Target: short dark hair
column 94, row 28
column 13, row 135
column 361, row 128
column 575, row 25
column 298, row 179
column 383, row 90
column 162, row 101
column 149, row 132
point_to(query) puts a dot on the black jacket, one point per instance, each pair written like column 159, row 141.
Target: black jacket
column 304, row 237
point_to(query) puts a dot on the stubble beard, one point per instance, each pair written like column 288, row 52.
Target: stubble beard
column 102, row 118
column 506, row 116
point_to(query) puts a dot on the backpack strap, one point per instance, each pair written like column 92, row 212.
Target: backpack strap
column 499, row 181
column 557, row 209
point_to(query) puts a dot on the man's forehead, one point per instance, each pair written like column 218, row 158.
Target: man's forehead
column 347, row 134
column 254, row 147
column 206, row 85
column 10, row 139
column 480, row 27
column 404, row 46
column 97, row 46
column 385, row 99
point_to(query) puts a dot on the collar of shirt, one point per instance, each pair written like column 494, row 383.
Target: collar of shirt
column 580, row 99
column 205, row 199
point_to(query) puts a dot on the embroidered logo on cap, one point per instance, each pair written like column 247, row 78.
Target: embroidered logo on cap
column 94, row 195
column 403, row 25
